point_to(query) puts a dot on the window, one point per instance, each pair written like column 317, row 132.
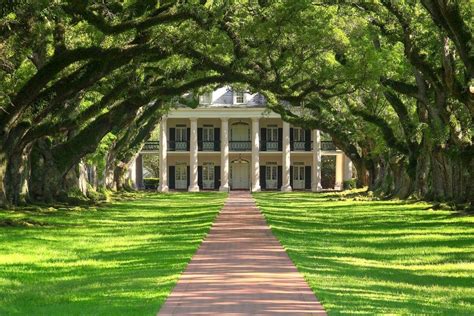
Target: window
column 205, row 98
column 298, row 171
column 239, row 97
column 298, row 134
column 180, row 172
column 208, row 133
column 181, row 133
column 208, row 171
column 271, row 171
column 272, row 133
column 208, row 137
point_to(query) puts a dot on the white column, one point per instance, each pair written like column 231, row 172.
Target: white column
column 132, row 172
column 339, row 172
column 163, row 156
column 224, row 155
column 347, row 168
column 193, row 157
column 316, row 170
column 255, row 155
column 286, row 158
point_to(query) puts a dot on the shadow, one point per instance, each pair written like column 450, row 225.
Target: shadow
column 121, row 259
column 376, row 257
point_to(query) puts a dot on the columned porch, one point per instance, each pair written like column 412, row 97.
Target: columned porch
column 244, row 150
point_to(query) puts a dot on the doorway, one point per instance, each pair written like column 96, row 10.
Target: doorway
column 298, row 177
column 208, row 176
column 181, row 176
column 240, row 176
column 271, row 176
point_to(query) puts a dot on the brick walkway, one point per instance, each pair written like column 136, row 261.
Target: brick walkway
column 241, row 269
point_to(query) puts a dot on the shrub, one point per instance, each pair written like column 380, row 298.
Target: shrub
column 151, row 183
column 95, row 195
column 350, row 184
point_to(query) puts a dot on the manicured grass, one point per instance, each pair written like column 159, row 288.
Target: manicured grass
column 120, row 259
column 377, row 257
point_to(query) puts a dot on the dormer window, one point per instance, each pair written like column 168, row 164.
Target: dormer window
column 205, row 98
column 238, row 97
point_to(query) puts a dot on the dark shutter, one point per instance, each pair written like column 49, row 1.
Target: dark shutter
column 188, row 173
column 171, row 177
column 263, row 139
column 263, row 178
column 172, row 138
column 188, row 138
column 280, row 177
column 307, row 139
column 307, row 177
column 280, row 139
column 292, row 138
column 200, row 177
column 217, row 177
column 217, row 139
column 200, row 138
column 291, row 176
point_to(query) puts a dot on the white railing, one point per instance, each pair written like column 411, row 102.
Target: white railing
column 299, row 145
column 182, row 146
column 273, row 146
column 240, row 145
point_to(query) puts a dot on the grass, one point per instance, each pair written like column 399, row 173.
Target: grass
column 376, row 257
column 119, row 259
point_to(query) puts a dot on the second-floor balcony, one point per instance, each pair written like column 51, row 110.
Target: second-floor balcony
column 237, row 146
column 151, row 145
column 303, row 145
column 328, row 145
column 178, row 145
column 240, row 145
column 270, row 146
column 209, row 145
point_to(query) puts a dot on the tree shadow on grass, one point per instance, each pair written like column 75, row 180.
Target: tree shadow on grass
column 122, row 259
column 377, row 257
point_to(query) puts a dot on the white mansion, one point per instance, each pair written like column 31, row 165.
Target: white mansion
column 231, row 142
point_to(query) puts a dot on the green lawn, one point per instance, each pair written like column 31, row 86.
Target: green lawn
column 377, row 257
column 120, row 259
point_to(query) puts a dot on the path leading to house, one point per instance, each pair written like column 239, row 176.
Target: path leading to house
column 241, row 268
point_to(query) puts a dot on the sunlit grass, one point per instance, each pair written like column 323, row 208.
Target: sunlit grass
column 120, row 259
column 377, row 257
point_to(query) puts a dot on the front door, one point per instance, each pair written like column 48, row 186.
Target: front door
column 271, row 177
column 181, row 177
column 240, row 176
column 298, row 177
column 208, row 176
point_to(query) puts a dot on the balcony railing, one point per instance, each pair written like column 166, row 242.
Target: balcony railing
column 327, row 145
column 240, row 145
column 271, row 146
column 304, row 145
column 209, row 146
column 178, row 146
column 151, row 146
column 235, row 146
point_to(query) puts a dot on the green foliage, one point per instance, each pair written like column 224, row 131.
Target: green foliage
column 350, row 184
column 128, row 254
column 98, row 158
column 96, row 195
column 376, row 257
column 151, row 183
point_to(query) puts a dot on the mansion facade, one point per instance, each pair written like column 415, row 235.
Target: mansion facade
column 231, row 142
